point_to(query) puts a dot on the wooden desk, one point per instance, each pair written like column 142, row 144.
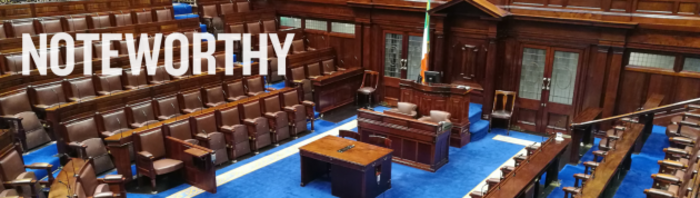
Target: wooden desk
column 119, row 144
column 336, row 90
column 418, row 144
column 522, row 182
column 617, row 159
column 200, row 171
column 584, row 135
column 66, row 176
column 443, row 97
column 362, row 171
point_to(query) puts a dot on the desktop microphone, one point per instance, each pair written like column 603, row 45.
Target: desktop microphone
column 225, row 95
column 202, row 103
column 109, row 86
column 80, row 99
column 144, row 114
column 72, row 23
column 58, row 99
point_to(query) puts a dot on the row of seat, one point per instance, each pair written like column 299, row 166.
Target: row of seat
column 212, row 15
column 505, row 170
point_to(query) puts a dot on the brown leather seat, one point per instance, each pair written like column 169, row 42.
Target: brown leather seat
column 88, row 185
column 167, row 107
column 229, row 122
column 132, row 81
column 14, row 170
column 24, row 27
column 298, row 74
column 243, row 6
column 370, row 81
column 182, row 129
column 210, row 17
column 220, row 60
column 436, row 117
column 164, row 15
column 13, row 63
column 314, row 70
column 152, row 155
column 299, row 112
column 240, row 29
column 124, row 48
column 112, row 122
column 254, row 31
column 255, row 85
column 279, row 120
column 99, row 22
column 187, row 74
column 76, row 24
column 214, row 96
column 270, row 26
column 121, row 20
column 17, row 112
column 235, row 90
column 190, row 101
column 84, row 139
column 329, row 67
column 273, row 74
column 205, row 125
column 144, row 17
column 80, row 89
column 503, row 106
column 51, row 26
column 258, row 126
column 78, row 54
column 404, row 109
column 161, row 76
column 48, row 95
column 140, row 114
column 298, row 46
column 226, row 8
column 685, row 131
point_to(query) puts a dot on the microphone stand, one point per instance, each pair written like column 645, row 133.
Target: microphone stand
column 174, row 109
column 58, row 98
column 80, row 98
column 202, row 103
column 225, row 95
column 109, row 87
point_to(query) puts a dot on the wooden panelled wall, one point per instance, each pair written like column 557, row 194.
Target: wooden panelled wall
column 474, row 47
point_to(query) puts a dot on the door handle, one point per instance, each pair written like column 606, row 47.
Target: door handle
column 546, row 82
column 404, row 62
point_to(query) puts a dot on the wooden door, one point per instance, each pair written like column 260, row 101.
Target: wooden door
column 402, row 60
column 547, row 88
column 466, row 60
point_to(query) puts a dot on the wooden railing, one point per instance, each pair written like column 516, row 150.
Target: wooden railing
column 30, row 10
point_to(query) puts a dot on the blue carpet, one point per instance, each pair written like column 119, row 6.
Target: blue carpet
column 182, row 8
column 186, row 16
column 278, row 85
column 45, row 154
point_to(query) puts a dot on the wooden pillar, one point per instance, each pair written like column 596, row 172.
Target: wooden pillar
column 577, row 134
column 613, row 80
column 439, row 54
column 489, row 80
column 122, row 159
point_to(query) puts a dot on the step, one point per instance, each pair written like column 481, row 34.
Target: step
column 479, row 130
column 474, row 112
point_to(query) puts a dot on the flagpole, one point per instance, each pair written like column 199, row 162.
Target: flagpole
column 426, row 42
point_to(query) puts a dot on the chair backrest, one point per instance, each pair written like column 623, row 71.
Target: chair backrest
column 298, row 73
column 253, row 27
column 370, row 79
column 251, row 110
column 124, row 49
column 144, row 17
column 214, row 94
column 406, row 107
column 236, row 28
column 122, row 19
column 270, row 26
column 99, row 22
column 243, row 6
column 504, row 100
column 76, row 24
column 11, row 164
column 13, row 63
column 220, row 60
column 191, row 99
column 209, row 11
column 49, row 94
column 272, row 104
column 168, row 106
column 255, row 84
column 291, row 98
column 51, row 26
column 161, row 75
column 205, row 123
column 379, row 141
column 226, row 8
column 110, row 83
column 114, row 120
column 78, row 53
column 48, row 59
column 180, row 129
column 270, row 51
column 308, row 89
column 349, row 134
column 164, row 15
column 177, row 65
column 134, row 80
column 88, row 179
column 81, row 88
column 152, row 141
column 23, row 28
column 328, row 65
column 81, row 129
column 97, row 47
column 141, row 112
column 228, row 116
column 235, row 88
column 14, row 104
column 314, row 69
column 298, row 46
column 2, row 32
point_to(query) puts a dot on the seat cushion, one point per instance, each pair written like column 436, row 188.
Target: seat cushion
column 366, row 90
column 167, row 165
column 501, row 114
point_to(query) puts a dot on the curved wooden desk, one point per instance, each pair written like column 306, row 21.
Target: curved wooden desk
column 59, row 188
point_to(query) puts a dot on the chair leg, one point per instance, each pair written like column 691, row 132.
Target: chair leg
column 490, row 123
column 508, row 129
column 153, row 184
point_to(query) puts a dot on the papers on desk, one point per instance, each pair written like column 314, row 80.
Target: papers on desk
column 463, row 87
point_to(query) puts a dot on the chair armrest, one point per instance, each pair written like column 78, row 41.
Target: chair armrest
column 22, row 182
column 105, row 195
column 202, row 137
column 676, row 151
column 691, row 124
column 270, row 89
column 308, row 103
column 289, row 109
column 145, row 154
column 658, row 192
column 39, row 165
column 270, row 115
column 79, row 147
column 672, row 164
column 11, row 118
column 113, row 179
column 693, row 115
column 249, row 122
column 682, row 140
column 666, row 178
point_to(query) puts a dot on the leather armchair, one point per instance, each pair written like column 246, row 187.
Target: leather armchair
column 220, row 60
column 329, row 67
column 308, row 89
column 108, row 84
column 254, row 31
column 314, row 70
column 214, row 96
column 227, row 8
column 236, row 134
column 182, row 129
column 50, row 26
column 22, row 27
column 190, row 101
column 121, row 20
column 255, row 86
column 210, row 17
column 273, row 74
column 152, row 157
column 258, row 126
column 112, row 122
column 299, row 46
column 83, row 138
column 13, row 63
column 132, row 81
column 299, row 112
column 78, row 53
column 206, row 126
column 685, row 128
column 235, row 90
column 80, row 89
column 299, row 80
column 436, row 117
column 243, row 6
column 76, row 24
column 140, row 114
column 167, row 107
column 88, row 185
column 99, row 22
column 278, row 119
column 14, row 172
column 28, row 129
column 404, row 109
column 144, row 17
column 240, row 29
column 164, row 15
column 161, row 76
column 270, row 26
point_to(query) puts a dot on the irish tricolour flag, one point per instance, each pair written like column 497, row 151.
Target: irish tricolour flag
column 426, row 43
